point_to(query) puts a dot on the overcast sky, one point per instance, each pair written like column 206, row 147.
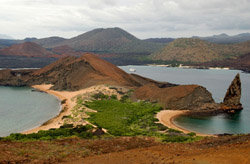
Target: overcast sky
column 142, row 18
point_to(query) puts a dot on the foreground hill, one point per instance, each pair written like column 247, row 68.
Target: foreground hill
column 198, row 51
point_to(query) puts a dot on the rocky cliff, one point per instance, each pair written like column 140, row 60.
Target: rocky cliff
column 182, row 97
column 231, row 101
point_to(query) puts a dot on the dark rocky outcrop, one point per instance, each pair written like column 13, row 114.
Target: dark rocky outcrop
column 231, row 102
column 233, row 94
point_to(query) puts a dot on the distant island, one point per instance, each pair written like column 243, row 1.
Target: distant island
column 119, row 47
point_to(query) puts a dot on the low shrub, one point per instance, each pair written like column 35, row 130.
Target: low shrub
column 64, row 131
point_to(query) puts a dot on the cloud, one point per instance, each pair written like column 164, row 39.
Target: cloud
column 143, row 18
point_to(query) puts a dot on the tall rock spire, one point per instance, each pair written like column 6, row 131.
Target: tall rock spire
column 233, row 95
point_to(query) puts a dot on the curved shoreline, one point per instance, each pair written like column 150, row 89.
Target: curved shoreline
column 166, row 118
column 55, row 121
column 67, row 107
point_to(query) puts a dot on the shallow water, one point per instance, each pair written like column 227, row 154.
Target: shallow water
column 22, row 109
column 217, row 82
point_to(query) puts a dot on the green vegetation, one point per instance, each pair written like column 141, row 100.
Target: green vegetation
column 199, row 51
column 126, row 118
column 64, row 131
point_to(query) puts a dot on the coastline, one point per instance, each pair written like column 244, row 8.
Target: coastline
column 66, row 107
column 166, row 117
column 69, row 98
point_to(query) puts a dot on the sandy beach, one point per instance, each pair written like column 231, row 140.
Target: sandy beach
column 68, row 97
column 166, row 118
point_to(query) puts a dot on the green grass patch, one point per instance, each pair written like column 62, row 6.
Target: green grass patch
column 127, row 118
column 124, row 118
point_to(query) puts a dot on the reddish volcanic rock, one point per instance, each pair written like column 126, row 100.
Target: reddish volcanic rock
column 72, row 73
column 186, row 97
column 28, row 49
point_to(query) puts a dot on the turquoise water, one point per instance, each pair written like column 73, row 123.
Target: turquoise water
column 217, row 82
column 22, row 109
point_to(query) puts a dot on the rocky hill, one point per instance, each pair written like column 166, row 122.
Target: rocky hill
column 110, row 40
column 72, row 73
column 199, row 51
column 27, row 49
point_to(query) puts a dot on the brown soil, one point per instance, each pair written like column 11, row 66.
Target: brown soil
column 233, row 150
column 128, row 150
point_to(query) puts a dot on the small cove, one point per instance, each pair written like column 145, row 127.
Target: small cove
column 22, row 109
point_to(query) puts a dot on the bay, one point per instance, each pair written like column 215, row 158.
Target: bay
column 217, row 82
column 23, row 109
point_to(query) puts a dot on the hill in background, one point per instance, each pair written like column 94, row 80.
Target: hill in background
column 122, row 48
column 26, row 55
column 27, row 49
column 110, row 40
column 226, row 39
column 191, row 50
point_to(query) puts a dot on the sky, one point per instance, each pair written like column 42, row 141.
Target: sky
column 142, row 18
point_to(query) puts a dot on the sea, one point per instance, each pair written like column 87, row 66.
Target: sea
column 22, row 108
column 216, row 81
